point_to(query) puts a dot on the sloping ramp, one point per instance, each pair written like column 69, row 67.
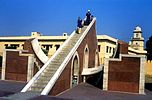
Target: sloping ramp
column 46, row 77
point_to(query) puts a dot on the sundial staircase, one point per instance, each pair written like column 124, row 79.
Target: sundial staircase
column 46, row 77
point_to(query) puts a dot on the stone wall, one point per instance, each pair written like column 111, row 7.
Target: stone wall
column 16, row 66
column 64, row 81
column 125, row 73
column 148, row 72
column 148, row 68
column 19, row 65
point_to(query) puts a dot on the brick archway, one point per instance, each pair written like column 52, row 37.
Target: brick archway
column 86, row 57
column 75, row 70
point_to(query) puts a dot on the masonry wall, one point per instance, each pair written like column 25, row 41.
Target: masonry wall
column 91, row 41
column 17, row 63
column 148, row 74
column 148, row 68
column 16, row 66
column 125, row 72
column 28, row 46
column 122, row 48
column 64, row 81
column 124, row 75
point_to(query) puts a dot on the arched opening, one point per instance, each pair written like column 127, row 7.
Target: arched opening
column 75, row 71
column 86, row 58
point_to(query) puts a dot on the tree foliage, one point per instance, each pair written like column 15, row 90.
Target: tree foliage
column 149, row 48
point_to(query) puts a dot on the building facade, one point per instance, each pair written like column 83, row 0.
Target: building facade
column 76, row 61
column 107, row 46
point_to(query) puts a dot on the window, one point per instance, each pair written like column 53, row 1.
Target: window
column 23, row 45
column 47, row 47
column 107, row 49
column 136, row 35
column 6, row 45
column 110, row 50
column 98, row 48
column 113, row 50
column 57, row 47
column 12, row 46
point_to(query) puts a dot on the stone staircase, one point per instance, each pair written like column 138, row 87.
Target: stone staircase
column 53, row 66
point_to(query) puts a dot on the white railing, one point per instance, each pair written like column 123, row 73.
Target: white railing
column 65, row 62
column 29, row 84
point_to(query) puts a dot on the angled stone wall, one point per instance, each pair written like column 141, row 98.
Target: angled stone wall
column 124, row 75
column 17, row 66
column 65, row 79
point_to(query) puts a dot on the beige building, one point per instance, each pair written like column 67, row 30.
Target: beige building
column 49, row 43
column 107, row 46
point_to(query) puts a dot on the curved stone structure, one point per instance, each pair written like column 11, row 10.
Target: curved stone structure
column 38, row 51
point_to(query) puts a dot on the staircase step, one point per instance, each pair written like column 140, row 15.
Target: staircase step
column 60, row 55
column 44, row 76
column 49, row 72
column 63, row 51
column 54, row 64
column 37, row 89
column 40, row 85
column 41, row 82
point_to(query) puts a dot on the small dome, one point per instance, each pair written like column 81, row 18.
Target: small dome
column 138, row 28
